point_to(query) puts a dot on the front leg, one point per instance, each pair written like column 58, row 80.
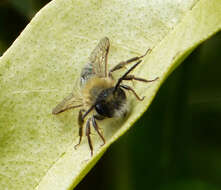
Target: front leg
column 94, row 123
column 88, row 133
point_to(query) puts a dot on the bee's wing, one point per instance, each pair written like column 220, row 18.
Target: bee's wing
column 69, row 102
column 98, row 57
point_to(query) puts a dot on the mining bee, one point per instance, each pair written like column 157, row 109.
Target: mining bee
column 101, row 94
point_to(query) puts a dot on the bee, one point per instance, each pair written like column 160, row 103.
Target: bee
column 101, row 94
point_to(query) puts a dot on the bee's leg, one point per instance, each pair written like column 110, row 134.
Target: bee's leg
column 132, row 90
column 124, row 77
column 94, row 123
column 88, row 133
column 80, row 123
column 123, row 63
column 132, row 77
column 125, row 74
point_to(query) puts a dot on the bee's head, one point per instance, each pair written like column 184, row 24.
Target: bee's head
column 110, row 101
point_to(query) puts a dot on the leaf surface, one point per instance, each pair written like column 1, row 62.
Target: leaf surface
column 39, row 69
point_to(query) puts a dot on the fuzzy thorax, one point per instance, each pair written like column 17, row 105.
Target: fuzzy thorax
column 94, row 87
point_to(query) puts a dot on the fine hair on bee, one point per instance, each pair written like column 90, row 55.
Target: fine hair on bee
column 101, row 95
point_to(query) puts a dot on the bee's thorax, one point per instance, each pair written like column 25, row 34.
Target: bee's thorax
column 94, row 87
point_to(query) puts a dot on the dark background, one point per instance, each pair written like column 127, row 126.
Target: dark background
column 176, row 145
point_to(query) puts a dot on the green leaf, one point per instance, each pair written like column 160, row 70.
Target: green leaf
column 39, row 69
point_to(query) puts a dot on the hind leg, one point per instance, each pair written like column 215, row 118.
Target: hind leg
column 124, row 63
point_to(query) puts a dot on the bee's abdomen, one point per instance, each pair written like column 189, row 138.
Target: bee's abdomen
column 110, row 103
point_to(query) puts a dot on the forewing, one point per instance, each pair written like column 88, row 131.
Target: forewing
column 68, row 103
column 98, row 57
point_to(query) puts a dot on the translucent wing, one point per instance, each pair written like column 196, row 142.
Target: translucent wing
column 97, row 65
column 98, row 57
column 68, row 103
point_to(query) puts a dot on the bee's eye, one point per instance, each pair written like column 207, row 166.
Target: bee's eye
column 103, row 109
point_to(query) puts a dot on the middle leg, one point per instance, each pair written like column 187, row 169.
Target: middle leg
column 132, row 77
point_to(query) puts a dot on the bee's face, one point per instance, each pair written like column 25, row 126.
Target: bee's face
column 109, row 102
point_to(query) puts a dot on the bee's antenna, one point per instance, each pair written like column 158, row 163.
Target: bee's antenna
column 125, row 74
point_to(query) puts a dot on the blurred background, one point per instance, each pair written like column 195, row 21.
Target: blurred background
column 177, row 142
